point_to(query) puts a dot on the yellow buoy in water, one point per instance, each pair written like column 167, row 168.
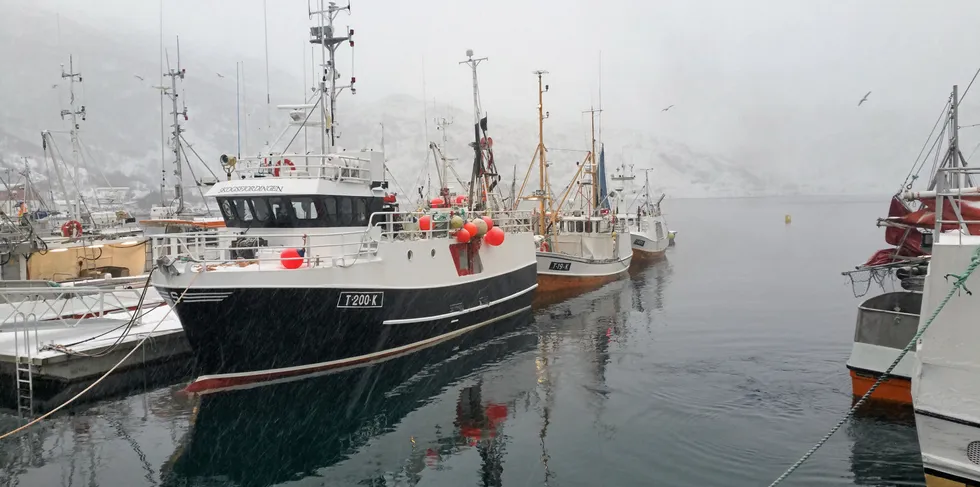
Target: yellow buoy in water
column 789, row 219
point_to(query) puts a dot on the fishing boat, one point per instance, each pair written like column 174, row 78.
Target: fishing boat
column 576, row 247
column 318, row 268
column 647, row 225
column 945, row 389
column 886, row 322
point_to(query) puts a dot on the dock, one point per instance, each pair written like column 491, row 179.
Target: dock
column 54, row 338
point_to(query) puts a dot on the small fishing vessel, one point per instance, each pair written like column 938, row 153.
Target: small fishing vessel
column 318, row 269
column 945, row 389
column 887, row 322
column 577, row 247
column 647, row 225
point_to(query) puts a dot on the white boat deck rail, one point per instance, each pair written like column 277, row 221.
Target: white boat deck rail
column 261, row 250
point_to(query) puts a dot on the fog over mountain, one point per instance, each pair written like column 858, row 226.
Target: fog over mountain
column 764, row 93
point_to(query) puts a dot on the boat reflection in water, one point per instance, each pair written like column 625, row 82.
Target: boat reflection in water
column 881, row 430
column 367, row 424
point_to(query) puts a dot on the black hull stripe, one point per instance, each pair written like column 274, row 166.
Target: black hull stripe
column 459, row 313
column 323, row 368
column 876, row 374
column 951, row 419
column 952, row 477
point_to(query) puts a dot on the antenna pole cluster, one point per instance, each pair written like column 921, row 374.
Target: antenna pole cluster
column 325, row 35
column 171, row 92
column 477, row 163
column 73, row 115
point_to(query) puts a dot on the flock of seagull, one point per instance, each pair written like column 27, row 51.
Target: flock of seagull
column 864, row 99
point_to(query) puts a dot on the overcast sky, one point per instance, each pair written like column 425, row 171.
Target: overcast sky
column 773, row 79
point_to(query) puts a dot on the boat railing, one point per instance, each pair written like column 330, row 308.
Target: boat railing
column 950, row 186
column 68, row 306
column 223, row 251
column 332, row 167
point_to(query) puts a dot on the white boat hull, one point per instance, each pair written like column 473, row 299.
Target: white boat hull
column 945, row 385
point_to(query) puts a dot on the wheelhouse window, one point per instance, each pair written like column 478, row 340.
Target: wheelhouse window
column 301, row 211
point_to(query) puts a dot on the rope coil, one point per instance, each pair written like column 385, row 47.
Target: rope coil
column 958, row 284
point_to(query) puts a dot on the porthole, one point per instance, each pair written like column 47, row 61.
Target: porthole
column 432, row 252
column 410, row 255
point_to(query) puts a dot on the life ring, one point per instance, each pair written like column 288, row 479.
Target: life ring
column 544, row 246
column 486, row 142
column 281, row 162
column 71, row 228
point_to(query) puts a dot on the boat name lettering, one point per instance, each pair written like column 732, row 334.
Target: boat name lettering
column 560, row 266
column 254, row 188
column 374, row 299
column 638, row 242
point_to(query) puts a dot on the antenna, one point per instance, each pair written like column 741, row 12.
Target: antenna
column 326, row 37
column 268, row 90
column 172, row 93
column 73, row 114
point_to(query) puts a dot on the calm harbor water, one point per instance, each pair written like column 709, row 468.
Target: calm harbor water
column 720, row 365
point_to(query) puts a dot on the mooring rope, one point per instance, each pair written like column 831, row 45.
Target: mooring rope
column 959, row 283
column 108, row 372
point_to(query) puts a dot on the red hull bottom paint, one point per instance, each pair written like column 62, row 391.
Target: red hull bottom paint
column 215, row 383
column 642, row 256
column 549, row 283
column 893, row 389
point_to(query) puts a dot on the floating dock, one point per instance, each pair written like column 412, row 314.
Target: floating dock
column 54, row 337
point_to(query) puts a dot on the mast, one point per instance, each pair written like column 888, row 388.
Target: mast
column 72, row 77
column 593, row 165
column 442, row 162
column 171, row 92
column 543, row 195
column 323, row 34
column 477, row 151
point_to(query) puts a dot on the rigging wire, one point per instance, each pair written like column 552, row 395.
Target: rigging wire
column 913, row 173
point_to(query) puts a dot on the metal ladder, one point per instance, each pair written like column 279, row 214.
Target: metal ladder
column 23, row 363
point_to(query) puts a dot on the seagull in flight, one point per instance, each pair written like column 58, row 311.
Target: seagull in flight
column 138, row 76
column 864, row 99
column 54, row 86
column 668, row 108
column 219, row 75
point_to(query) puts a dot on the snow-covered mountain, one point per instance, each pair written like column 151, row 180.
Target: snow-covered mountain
column 122, row 133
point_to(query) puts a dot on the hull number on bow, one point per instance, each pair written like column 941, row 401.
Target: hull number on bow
column 560, row 266
column 639, row 243
column 361, row 300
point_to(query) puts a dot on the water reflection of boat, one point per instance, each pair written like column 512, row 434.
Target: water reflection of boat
column 355, row 421
column 884, row 432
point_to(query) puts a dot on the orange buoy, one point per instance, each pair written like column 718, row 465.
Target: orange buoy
column 463, row 235
column 489, row 222
column 494, row 236
column 437, row 202
column 460, row 199
column 425, row 223
column 471, row 228
column 290, row 259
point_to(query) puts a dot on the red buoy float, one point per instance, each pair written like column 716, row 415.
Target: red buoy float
column 462, row 235
column 290, row 259
column 489, row 222
column 460, row 199
column 471, row 228
column 425, row 223
column 494, row 236
column 437, row 202
column 283, row 162
column 71, row 228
